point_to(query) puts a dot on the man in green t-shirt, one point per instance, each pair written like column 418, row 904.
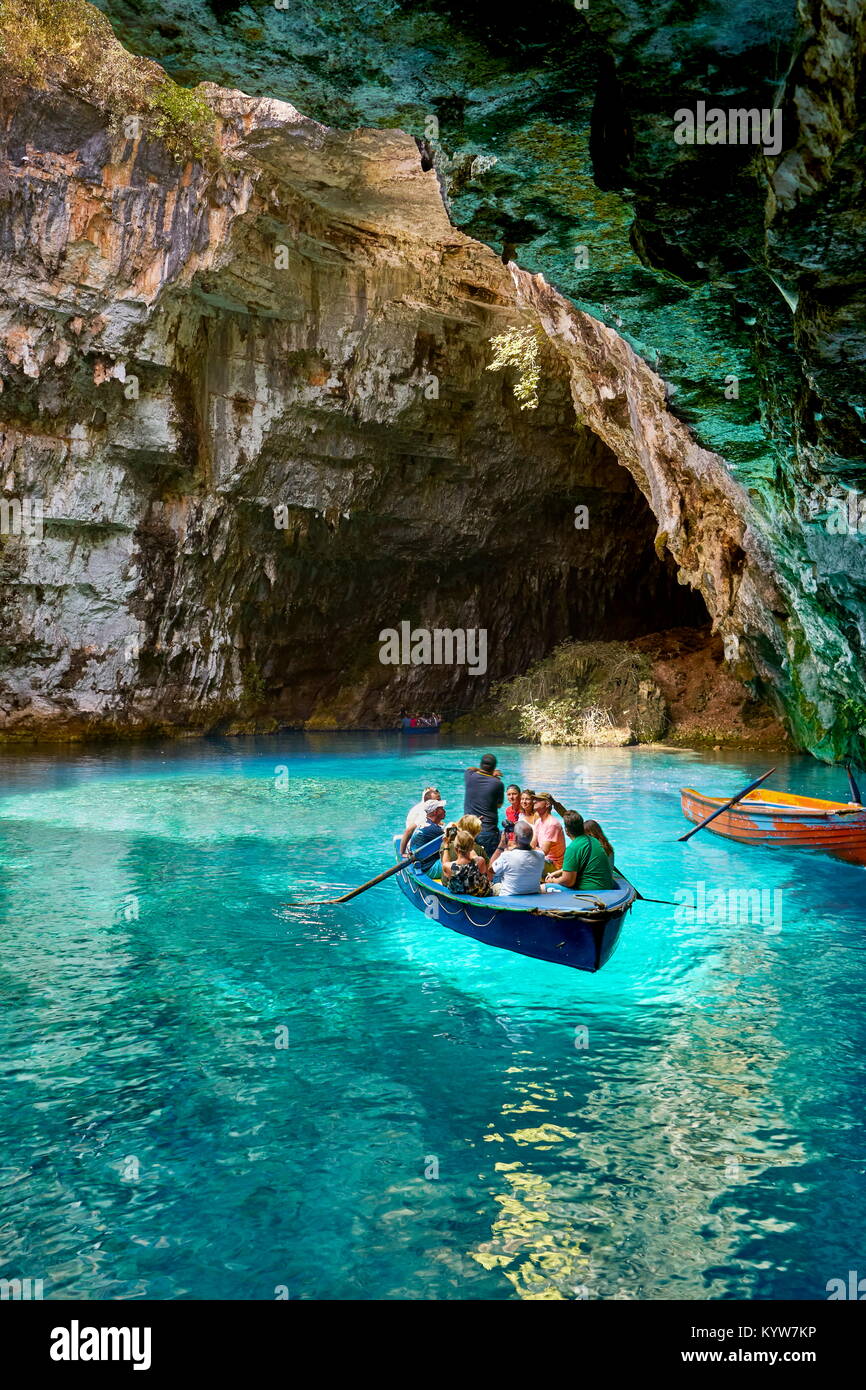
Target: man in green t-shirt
column 585, row 864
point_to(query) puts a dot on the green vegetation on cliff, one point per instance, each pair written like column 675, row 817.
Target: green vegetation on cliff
column 590, row 693
column 46, row 43
column 518, row 348
column 676, row 685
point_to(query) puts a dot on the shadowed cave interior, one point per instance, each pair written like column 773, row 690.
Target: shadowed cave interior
column 467, row 512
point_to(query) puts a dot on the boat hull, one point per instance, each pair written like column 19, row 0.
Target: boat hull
column 779, row 818
column 582, row 942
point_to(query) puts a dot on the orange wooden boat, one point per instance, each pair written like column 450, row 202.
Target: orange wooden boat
column 766, row 817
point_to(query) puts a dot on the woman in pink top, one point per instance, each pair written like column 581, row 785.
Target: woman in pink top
column 549, row 834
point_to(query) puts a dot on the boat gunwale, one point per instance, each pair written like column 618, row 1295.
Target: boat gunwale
column 594, row 914
column 794, row 811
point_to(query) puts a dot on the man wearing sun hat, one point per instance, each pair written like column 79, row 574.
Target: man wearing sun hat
column 548, row 834
column 430, row 833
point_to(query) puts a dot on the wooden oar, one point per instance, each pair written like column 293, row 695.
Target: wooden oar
column 380, row 878
column 663, row 901
column 640, row 895
column 728, row 804
column 855, row 790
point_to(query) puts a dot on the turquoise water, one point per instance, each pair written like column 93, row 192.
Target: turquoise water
column 439, row 1124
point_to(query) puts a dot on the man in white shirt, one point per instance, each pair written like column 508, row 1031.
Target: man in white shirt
column 418, row 815
column 517, row 870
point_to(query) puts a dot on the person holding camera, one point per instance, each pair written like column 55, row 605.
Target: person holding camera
column 473, row 825
column 467, row 872
column 517, row 870
column 483, row 794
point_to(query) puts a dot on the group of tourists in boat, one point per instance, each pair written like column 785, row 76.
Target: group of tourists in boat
column 532, row 852
column 412, row 723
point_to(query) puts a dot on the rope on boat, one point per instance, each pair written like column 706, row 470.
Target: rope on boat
column 562, row 912
column 440, row 899
column 460, row 911
column 480, row 924
column 559, row 913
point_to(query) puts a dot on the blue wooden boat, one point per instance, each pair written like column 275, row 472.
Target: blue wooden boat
column 580, row 930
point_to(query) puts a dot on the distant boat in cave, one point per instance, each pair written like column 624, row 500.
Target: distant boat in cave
column 411, row 725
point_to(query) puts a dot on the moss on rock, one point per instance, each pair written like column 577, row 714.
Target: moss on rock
column 69, row 43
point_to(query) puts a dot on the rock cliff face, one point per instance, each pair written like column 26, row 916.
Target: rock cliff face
column 254, row 403
column 298, row 328
column 737, row 275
